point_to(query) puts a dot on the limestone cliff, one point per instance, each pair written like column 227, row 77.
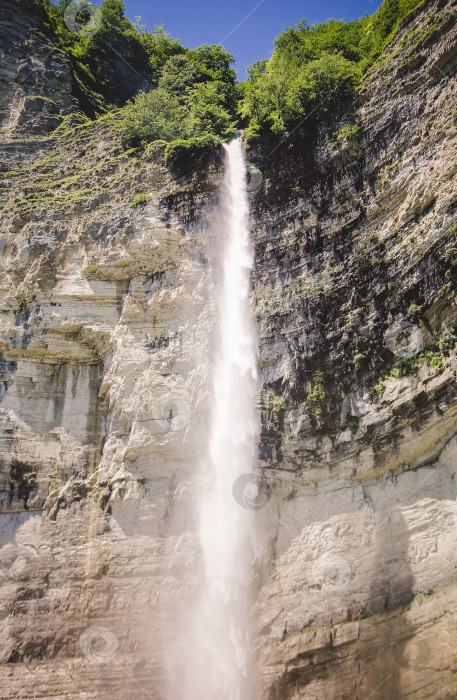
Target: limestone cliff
column 361, row 455
column 106, row 320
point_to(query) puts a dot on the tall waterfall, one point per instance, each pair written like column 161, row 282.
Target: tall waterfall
column 220, row 657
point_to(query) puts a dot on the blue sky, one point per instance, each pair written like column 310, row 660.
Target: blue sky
column 196, row 22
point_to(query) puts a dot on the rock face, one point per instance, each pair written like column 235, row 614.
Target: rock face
column 106, row 322
column 35, row 76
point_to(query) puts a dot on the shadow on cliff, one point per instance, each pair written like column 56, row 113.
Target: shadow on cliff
column 384, row 638
column 390, row 646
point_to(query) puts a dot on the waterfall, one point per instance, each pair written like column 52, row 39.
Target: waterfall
column 219, row 654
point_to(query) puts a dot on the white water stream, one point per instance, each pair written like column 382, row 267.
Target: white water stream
column 220, row 654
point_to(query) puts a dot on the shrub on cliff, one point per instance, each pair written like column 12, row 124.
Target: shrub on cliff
column 185, row 155
column 140, row 200
column 161, row 115
column 279, row 95
column 152, row 116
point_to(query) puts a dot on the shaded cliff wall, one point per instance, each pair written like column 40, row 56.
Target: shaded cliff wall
column 358, row 446
column 106, row 321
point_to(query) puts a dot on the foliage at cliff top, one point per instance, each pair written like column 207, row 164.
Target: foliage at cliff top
column 121, row 59
column 184, row 155
column 179, row 93
column 184, row 105
column 314, row 70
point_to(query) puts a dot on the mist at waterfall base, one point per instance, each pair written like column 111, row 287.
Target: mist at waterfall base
column 216, row 657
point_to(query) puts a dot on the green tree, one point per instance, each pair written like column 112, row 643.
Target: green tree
column 179, row 74
column 207, row 114
column 326, row 82
column 253, row 104
column 152, row 116
column 214, row 63
column 159, row 46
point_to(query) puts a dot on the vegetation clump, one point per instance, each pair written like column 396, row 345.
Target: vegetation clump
column 318, row 396
column 447, row 342
column 361, row 263
column 431, row 357
column 278, row 404
column 348, row 131
column 20, row 304
column 184, row 155
column 404, row 367
column 120, row 58
column 168, row 113
column 377, row 391
column 451, row 255
column 413, row 311
column 353, row 425
column 315, row 69
column 140, row 200
column 358, row 359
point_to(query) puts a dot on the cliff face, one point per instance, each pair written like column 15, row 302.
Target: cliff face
column 353, row 272
column 106, row 315
column 104, row 330
column 35, row 76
